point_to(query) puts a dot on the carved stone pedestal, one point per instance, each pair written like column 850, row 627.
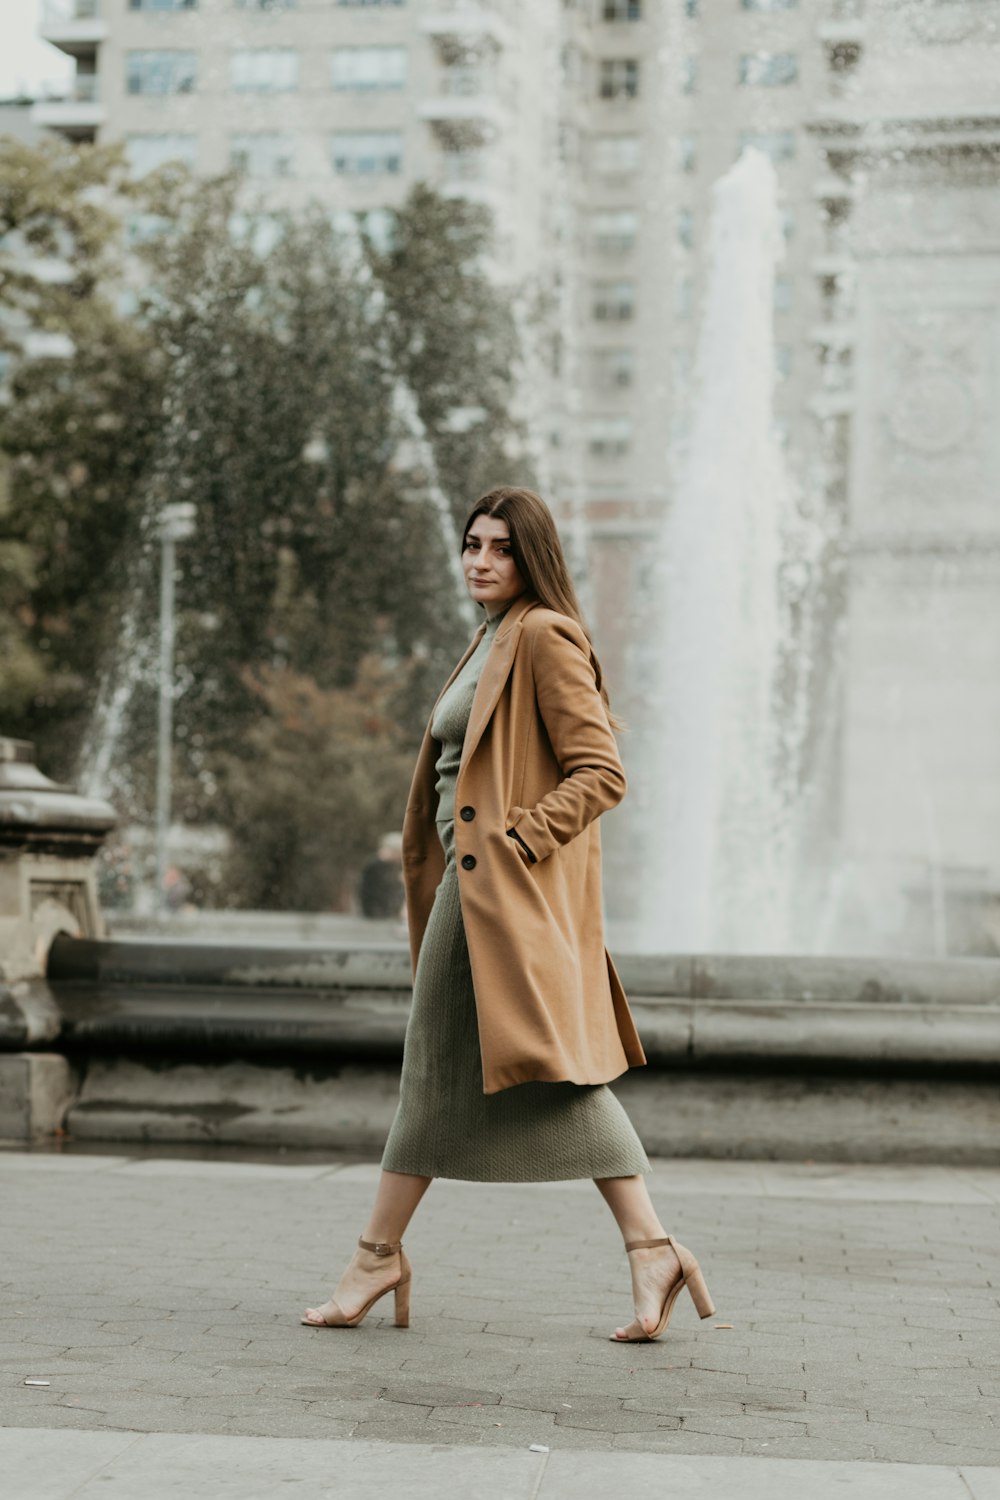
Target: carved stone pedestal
column 49, row 836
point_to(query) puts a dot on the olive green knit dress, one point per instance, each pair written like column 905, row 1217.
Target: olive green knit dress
column 445, row 1126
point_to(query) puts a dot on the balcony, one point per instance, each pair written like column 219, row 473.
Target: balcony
column 466, row 113
column 78, row 116
column 836, row 336
column 827, row 404
column 472, row 174
column 74, row 26
column 834, row 189
column 462, row 30
column 842, row 33
column 837, row 264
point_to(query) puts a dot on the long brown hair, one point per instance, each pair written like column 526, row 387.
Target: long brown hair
column 539, row 556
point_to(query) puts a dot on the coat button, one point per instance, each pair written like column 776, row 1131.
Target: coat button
column 468, row 861
column 467, row 814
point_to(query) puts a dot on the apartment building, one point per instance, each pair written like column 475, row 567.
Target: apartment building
column 595, row 130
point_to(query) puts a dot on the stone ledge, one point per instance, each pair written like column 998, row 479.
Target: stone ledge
column 722, row 1114
column 36, row 1090
column 799, row 978
column 692, row 1011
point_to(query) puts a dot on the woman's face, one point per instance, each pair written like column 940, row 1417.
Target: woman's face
column 491, row 574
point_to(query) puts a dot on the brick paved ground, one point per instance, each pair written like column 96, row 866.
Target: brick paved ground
column 163, row 1296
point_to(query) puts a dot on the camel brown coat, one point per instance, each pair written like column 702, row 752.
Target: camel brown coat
column 539, row 757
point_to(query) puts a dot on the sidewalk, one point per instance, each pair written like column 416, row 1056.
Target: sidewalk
column 161, row 1296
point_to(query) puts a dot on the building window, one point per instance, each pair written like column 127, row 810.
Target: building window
column 768, row 69
column 264, row 70
column 378, row 225
column 615, row 230
column 468, row 80
column 683, row 297
column 372, row 2
column 616, row 155
column 623, row 10
column 609, row 437
column 381, row 227
column 685, row 228
column 147, row 152
column 267, row 4
column 769, row 4
column 613, row 369
column 369, row 67
column 687, row 156
column 782, row 361
column 261, row 153
column 141, row 229
column 782, row 294
column 260, row 231
column 163, row 4
column 691, row 9
column 614, row 301
column 367, row 153
column 779, row 145
column 619, row 78
column 171, row 72
column 466, row 163
column 689, row 75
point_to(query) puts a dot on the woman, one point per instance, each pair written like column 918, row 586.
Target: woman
column 518, row 1019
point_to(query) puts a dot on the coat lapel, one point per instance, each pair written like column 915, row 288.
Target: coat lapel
column 493, row 677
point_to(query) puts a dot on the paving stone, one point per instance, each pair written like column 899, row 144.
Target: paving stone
column 681, row 1440
column 858, row 1319
column 617, row 1421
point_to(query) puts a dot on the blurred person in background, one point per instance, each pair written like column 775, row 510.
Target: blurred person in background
column 380, row 890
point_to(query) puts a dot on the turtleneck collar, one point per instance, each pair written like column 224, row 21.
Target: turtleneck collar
column 493, row 622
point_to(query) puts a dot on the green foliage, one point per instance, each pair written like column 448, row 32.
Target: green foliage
column 453, row 338
column 337, row 770
column 55, row 206
column 256, row 376
column 75, row 436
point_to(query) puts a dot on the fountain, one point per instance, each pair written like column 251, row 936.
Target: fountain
column 717, row 874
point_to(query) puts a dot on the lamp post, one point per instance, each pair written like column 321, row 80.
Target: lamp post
column 176, row 525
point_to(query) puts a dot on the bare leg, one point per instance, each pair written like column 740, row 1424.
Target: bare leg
column 653, row 1271
column 396, row 1200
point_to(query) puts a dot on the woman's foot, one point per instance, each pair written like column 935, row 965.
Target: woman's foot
column 654, row 1273
column 368, row 1276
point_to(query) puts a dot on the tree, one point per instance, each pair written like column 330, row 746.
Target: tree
column 75, row 434
column 258, row 376
column 280, row 426
column 338, row 767
column 453, row 339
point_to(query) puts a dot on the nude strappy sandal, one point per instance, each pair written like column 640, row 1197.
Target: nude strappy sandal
column 691, row 1278
column 400, row 1288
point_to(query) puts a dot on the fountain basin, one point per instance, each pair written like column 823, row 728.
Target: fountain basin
column 693, row 1011
column 789, row 1058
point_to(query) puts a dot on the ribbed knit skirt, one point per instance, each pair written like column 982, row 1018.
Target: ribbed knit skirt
column 445, row 1126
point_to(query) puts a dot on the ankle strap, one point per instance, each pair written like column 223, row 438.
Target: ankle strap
column 382, row 1247
column 646, row 1244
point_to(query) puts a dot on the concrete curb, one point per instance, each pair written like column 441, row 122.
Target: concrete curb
column 183, row 1466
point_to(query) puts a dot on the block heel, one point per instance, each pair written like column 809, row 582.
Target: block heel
column 331, row 1316
column 691, row 1277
